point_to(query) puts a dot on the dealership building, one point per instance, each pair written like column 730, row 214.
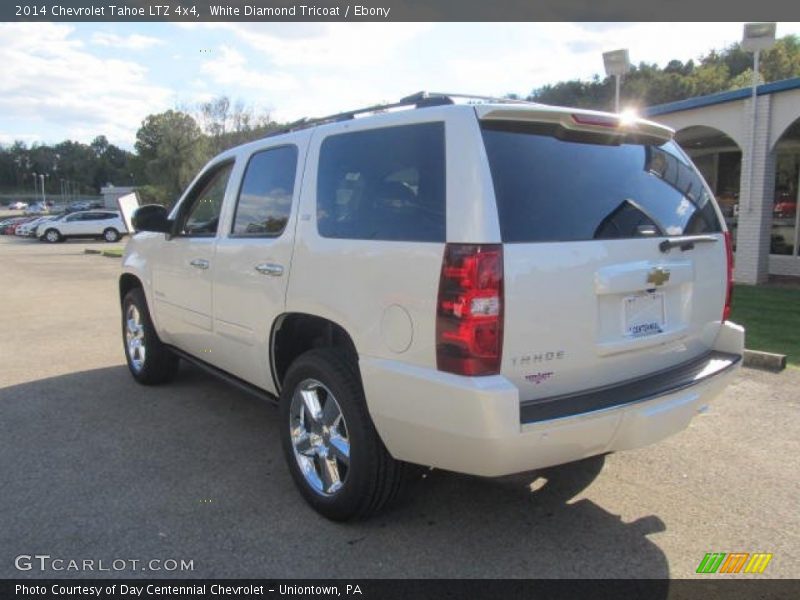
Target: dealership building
column 752, row 167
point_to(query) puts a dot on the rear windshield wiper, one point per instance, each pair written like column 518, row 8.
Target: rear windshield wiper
column 686, row 242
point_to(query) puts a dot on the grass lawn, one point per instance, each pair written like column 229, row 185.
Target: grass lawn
column 771, row 316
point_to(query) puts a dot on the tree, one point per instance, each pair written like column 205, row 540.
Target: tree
column 783, row 60
column 170, row 148
column 229, row 124
column 647, row 84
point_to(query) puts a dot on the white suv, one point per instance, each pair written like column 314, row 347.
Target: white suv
column 102, row 224
column 486, row 288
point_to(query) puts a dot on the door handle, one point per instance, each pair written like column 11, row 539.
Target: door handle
column 200, row 263
column 270, row 269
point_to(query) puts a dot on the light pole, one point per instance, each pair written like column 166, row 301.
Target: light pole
column 617, row 64
column 35, row 186
column 41, row 176
column 755, row 38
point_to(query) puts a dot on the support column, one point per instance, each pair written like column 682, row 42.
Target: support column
column 755, row 208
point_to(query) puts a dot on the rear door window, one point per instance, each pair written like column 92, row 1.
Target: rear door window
column 550, row 189
column 383, row 184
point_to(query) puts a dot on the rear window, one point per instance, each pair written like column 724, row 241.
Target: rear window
column 383, row 184
column 550, row 189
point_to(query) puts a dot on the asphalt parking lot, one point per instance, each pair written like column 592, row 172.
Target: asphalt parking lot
column 93, row 466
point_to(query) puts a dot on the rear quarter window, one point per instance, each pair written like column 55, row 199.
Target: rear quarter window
column 550, row 189
column 383, row 184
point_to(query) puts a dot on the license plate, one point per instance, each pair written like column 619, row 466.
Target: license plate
column 644, row 314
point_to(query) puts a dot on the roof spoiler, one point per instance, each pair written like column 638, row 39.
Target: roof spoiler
column 579, row 120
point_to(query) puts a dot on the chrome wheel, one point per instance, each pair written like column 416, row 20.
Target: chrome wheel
column 319, row 437
column 52, row 236
column 111, row 235
column 134, row 338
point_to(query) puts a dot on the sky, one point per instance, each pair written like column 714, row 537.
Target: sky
column 79, row 80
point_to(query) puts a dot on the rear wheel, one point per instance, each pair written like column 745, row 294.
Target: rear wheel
column 111, row 235
column 334, row 453
column 52, row 236
column 149, row 360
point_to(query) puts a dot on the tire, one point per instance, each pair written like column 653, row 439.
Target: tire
column 369, row 478
column 149, row 360
column 111, row 235
column 52, row 236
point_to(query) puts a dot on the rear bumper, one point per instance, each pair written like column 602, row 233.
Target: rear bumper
column 475, row 425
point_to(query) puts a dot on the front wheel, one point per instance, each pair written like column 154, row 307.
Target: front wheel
column 149, row 360
column 336, row 458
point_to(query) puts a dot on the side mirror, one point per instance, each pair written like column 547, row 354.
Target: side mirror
column 152, row 217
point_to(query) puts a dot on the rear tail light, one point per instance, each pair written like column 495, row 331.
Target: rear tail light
column 469, row 310
column 726, row 312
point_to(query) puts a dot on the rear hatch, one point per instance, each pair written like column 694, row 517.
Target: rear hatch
column 614, row 253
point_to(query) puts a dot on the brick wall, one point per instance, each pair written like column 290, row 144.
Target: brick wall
column 755, row 210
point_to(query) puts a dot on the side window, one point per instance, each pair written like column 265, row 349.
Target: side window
column 204, row 204
column 265, row 198
column 383, row 184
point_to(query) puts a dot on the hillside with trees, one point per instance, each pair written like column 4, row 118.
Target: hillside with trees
column 649, row 84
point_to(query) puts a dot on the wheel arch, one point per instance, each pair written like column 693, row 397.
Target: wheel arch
column 294, row 333
column 127, row 282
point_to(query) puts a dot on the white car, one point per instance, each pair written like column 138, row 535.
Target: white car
column 29, row 229
column 487, row 288
column 101, row 224
column 18, row 205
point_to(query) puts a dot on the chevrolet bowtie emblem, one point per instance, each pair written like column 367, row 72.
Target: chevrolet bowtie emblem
column 658, row 276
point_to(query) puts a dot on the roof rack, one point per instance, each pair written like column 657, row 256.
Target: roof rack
column 423, row 95
column 418, row 100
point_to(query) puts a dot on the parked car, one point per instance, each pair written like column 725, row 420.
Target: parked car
column 487, row 288
column 79, row 205
column 38, row 209
column 28, row 229
column 12, row 228
column 102, row 224
column 18, row 205
column 7, row 223
column 786, row 208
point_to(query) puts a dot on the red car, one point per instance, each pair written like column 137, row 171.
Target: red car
column 12, row 229
column 785, row 208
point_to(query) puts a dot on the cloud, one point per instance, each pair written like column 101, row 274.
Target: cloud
column 229, row 68
column 130, row 42
column 321, row 45
column 51, row 83
column 7, row 139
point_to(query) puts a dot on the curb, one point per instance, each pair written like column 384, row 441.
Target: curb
column 768, row 361
column 108, row 253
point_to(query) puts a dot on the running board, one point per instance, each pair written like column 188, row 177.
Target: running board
column 226, row 377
